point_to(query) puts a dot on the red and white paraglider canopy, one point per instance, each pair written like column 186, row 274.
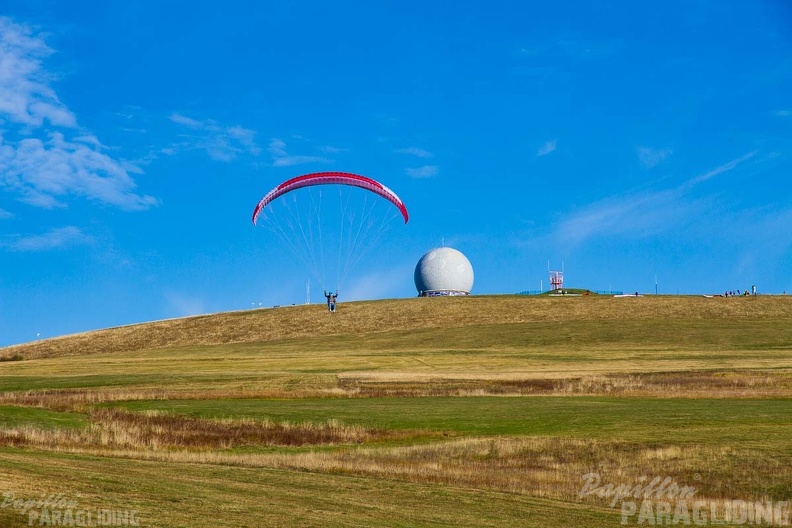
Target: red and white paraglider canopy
column 331, row 178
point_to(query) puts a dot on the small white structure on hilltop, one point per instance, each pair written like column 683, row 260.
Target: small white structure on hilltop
column 443, row 271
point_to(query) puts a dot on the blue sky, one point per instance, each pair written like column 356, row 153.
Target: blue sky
column 627, row 140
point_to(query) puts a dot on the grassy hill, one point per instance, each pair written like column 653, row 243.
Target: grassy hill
column 477, row 411
column 468, row 315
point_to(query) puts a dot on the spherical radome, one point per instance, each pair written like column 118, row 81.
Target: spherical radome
column 444, row 271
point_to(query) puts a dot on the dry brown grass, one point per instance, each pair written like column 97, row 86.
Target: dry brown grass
column 695, row 384
column 362, row 318
column 553, row 467
column 115, row 428
column 542, row 467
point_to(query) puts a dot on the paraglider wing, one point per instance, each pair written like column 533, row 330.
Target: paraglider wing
column 330, row 178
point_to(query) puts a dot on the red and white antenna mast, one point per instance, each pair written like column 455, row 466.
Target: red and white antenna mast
column 556, row 277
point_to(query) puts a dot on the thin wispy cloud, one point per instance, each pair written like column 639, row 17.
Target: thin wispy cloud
column 5, row 214
column 562, row 57
column 639, row 213
column 426, row 171
column 60, row 238
column 651, row 157
column 642, row 213
column 41, row 172
column 26, row 96
column 221, row 142
column 719, row 170
column 415, row 151
column 281, row 158
column 186, row 121
column 328, row 149
column 547, row 148
column 41, row 166
column 784, row 113
column 565, row 47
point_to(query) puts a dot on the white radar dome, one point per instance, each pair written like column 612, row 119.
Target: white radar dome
column 443, row 271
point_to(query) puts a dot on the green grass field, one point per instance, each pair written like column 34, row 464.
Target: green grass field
column 761, row 424
column 480, row 411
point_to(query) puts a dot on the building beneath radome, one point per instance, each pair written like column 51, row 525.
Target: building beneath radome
column 443, row 271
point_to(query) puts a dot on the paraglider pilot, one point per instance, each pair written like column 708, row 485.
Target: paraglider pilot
column 331, row 301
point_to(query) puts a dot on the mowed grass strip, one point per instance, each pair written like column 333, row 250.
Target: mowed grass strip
column 28, row 383
column 168, row 494
column 12, row 416
column 764, row 424
column 688, row 384
column 538, row 467
column 269, row 367
column 534, row 466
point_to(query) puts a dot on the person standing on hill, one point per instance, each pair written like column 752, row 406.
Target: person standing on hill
column 331, row 301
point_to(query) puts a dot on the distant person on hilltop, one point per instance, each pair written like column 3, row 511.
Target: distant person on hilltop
column 331, row 301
